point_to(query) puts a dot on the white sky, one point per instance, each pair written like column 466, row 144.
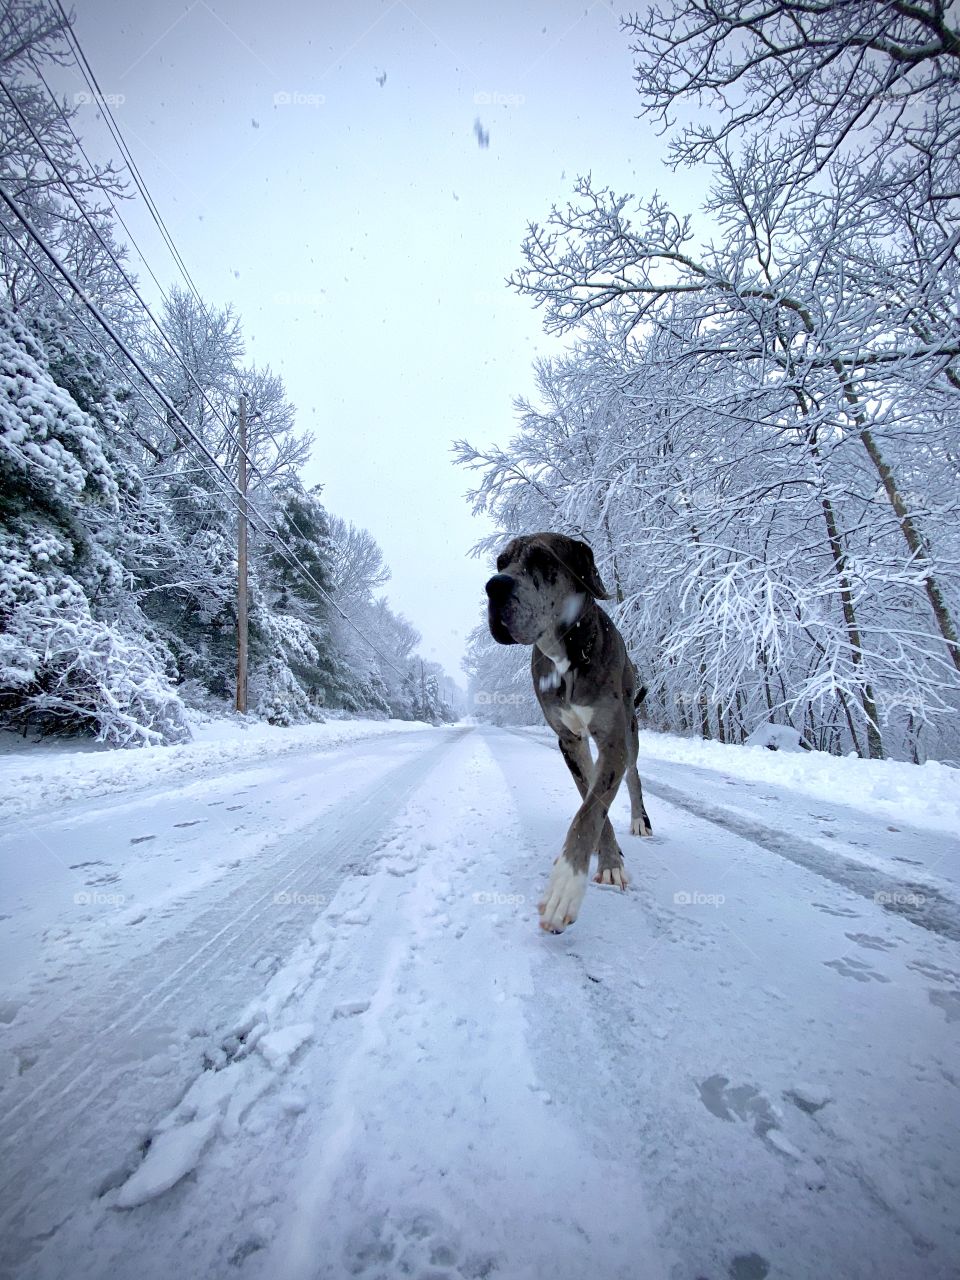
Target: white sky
column 362, row 233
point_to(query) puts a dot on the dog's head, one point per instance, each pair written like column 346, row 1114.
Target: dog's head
column 542, row 581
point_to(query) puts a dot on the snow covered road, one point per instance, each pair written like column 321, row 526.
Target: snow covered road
column 297, row 1020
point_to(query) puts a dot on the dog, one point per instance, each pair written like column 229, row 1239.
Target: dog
column 545, row 594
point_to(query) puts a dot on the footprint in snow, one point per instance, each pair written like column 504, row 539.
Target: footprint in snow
column 948, row 1001
column 872, row 942
column 105, row 877
column 8, row 1011
column 246, row 1248
column 949, row 976
column 851, row 967
column 194, row 823
column 414, row 1244
column 748, row 1266
column 141, row 839
column 808, row 1100
column 837, row 911
column 743, row 1101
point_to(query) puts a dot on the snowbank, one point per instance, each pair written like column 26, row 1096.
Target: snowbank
column 776, row 737
column 926, row 795
column 36, row 776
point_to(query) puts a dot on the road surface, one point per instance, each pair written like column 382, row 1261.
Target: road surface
column 296, row 1019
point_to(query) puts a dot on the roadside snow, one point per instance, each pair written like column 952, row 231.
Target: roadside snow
column 776, row 737
column 36, row 777
column 926, row 795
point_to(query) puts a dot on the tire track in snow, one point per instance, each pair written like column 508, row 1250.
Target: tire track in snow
column 921, row 903
column 217, row 945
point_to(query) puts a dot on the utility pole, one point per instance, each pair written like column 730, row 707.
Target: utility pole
column 423, row 692
column 242, row 565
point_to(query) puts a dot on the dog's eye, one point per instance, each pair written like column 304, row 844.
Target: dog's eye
column 541, row 566
column 502, row 561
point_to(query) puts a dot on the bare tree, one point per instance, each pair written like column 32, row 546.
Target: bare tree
column 824, row 77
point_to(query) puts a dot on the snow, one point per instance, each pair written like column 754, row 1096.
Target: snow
column 278, row 1047
column 171, row 1156
column 32, row 779
column 927, row 795
column 775, row 737
column 741, row 1066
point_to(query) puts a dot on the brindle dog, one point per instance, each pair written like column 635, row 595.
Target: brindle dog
column 545, row 594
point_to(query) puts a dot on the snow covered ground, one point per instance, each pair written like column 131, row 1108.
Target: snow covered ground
column 291, row 1016
column 53, row 772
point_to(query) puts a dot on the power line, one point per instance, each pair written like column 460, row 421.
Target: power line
column 91, row 80
column 120, row 218
column 68, row 187
column 239, row 500
column 93, row 84
column 86, row 71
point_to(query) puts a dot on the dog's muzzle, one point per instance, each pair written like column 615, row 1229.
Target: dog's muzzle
column 500, row 591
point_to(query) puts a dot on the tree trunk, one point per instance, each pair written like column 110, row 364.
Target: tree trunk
column 918, row 550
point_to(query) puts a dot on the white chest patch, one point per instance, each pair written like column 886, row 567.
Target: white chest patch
column 552, row 679
column 577, row 718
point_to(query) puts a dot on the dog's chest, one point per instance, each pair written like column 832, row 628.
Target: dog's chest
column 557, row 681
column 576, row 717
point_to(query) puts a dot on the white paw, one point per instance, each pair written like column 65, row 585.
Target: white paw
column 640, row 828
column 612, row 875
column 563, row 897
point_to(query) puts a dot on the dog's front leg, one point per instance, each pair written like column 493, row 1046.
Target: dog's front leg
column 568, row 880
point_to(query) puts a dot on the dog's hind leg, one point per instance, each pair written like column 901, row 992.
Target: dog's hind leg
column 576, row 753
column 639, row 821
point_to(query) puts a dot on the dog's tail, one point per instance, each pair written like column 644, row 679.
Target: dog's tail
column 640, row 695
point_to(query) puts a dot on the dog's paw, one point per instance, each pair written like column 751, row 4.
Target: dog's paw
column 565, row 893
column 612, row 875
column 640, row 827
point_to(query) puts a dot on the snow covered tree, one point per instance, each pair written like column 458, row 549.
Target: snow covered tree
column 119, row 535
column 72, row 650
column 757, row 432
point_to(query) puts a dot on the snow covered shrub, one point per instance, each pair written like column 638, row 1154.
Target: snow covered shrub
column 277, row 695
column 777, row 737
column 75, row 673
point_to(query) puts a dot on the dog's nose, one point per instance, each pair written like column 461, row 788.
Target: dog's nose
column 500, row 588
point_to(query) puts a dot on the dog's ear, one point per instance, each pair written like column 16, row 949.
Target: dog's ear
column 580, row 562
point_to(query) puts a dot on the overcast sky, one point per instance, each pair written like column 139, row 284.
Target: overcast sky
column 318, row 168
